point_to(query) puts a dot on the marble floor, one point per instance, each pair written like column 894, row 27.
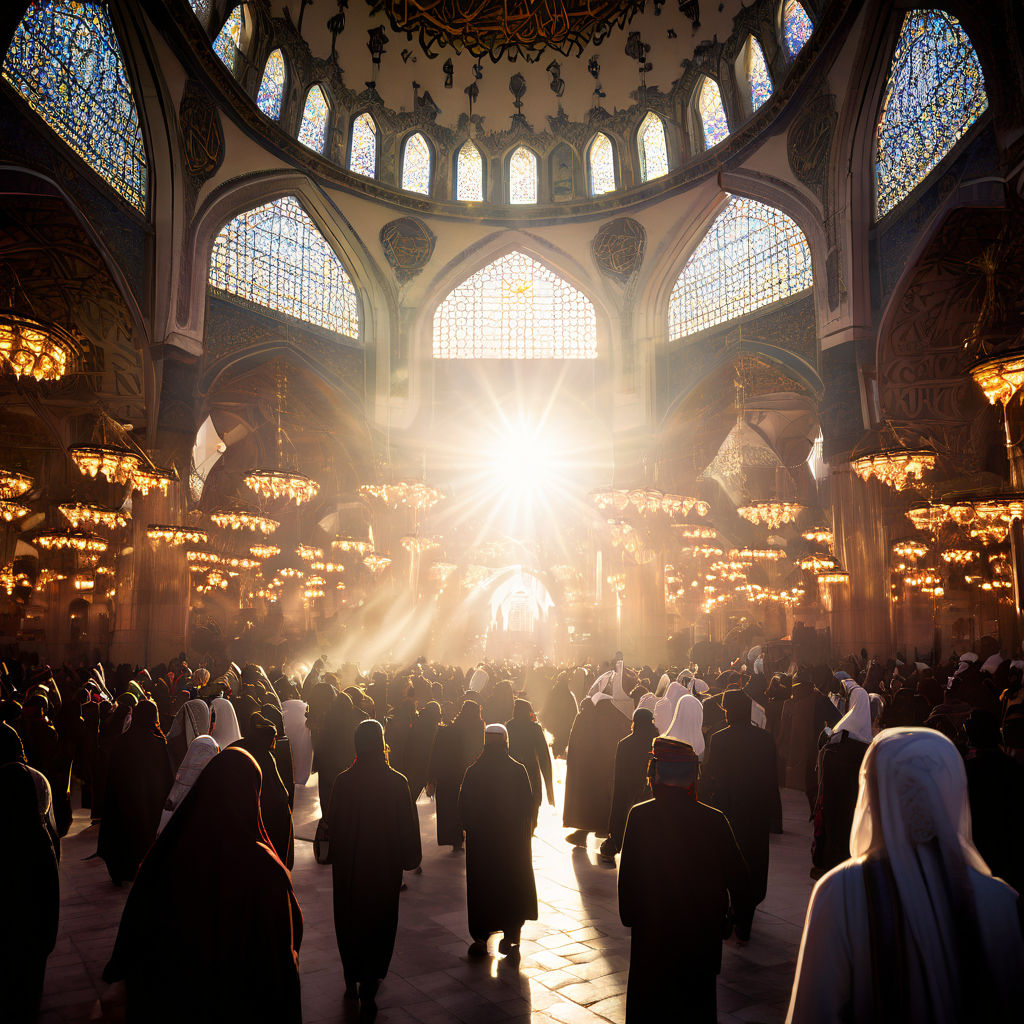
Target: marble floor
column 574, row 959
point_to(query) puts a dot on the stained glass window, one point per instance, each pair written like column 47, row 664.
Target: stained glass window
column 752, row 255
column 601, row 163
column 416, row 165
column 935, row 92
column 228, row 44
column 275, row 256
column 522, row 177
column 796, row 27
column 64, row 61
column 712, row 113
column 652, row 148
column 313, row 128
column 515, row 308
column 362, row 157
column 202, row 11
column 469, row 174
column 268, row 99
column 757, row 74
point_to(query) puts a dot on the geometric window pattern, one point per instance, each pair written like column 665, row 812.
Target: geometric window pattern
column 64, row 61
column 515, row 308
column 935, row 92
column 796, row 27
column 228, row 44
column 757, row 74
column 601, row 159
column 469, row 175
column 752, row 255
column 652, row 148
column 275, row 256
column 313, row 129
column 712, row 113
column 362, row 157
column 522, row 177
column 268, row 99
column 416, row 165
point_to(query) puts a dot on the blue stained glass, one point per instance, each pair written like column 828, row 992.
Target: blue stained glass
column 712, row 113
column 202, row 10
column 751, row 256
column 416, row 165
column 935, row 92
column 228, row 44
column 313, row 129
column 652, row 148
column 469, row 175
column 757, row 74
column 522, row 177
column 601, row 159
column 796, row 27
column 268, row 99
column 362, row 157
column 275, row 256
column 64, row 61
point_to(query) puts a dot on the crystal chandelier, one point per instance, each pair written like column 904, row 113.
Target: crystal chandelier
column 1000, row 378
column 148, row 478
column 277, row 483
column 309, row 553
column 264, row 550
column 67, row 540
column 913, row 549
column 959, row 556
column 930, row 518
column 894, row 467
column 14, row 485
column 756, row 554
column 327, row 567
column 11, row 510
column 414, row 543
column 772, row 514
column 415, row 495
column 84, row 514
column 236, row 519
column 291, row 572
column 176, row 535
column 818, row 535
column 34, row 349
column 118, row 465
column 314, row 587
column 818, row 563
column 375, row 562
column 349, row 544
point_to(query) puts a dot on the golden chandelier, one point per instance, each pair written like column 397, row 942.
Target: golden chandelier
column 235, row 519
column 11, row 510
column 834, row 576
column 959, row 556
column 772, row 514
column 67, row 540
column 818, row 535
column 277, row 483
column 817, row 563
column 894, row 467
column 309, row 553
column 327, row 567
column 10, row 580
column 264, row 550
column 176, row 535
column 118, row 465
column 348, row 544
column 909, row 549
column 375, row 562
column 33, row 349
column 1000, row 378
column 648, row 501
column 414, row 494
column 149, row 478
column 756, row 554
column 82, row 513
column 414, row 543
column 14, row 485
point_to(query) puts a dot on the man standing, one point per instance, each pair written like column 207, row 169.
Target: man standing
column 496, row 808
column 374, row 835
column 679, row 870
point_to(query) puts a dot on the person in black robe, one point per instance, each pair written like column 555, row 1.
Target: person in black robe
column 560, row 710
column 375, row 836
column 31, row 905
column 456, row 746
column 334, row 745
column 496, row 808
column 399, row 731
column 139, row 777
column 679, row 871
column 740, row 778
column 630, row 786
column 420, row 746
column 43, row 750
column 282, row 750
column 212, row 891
column 527, row 745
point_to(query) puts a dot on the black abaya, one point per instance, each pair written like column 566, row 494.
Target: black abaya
column 632, row 755
column 590, row 765
column 527, row 745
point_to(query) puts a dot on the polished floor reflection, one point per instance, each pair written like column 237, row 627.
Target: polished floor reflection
column 574, row 959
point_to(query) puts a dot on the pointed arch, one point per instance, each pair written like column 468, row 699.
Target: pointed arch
column 752, row 255
column 469, row 173
column 652, row 148
column 363, row 142
column 755, row 74
column 600, row 165
column 417, row 164
column 796, row 26
column 515, row 308
column 522, row 176
column 315, row 118
column 64, row 60
column 711, row 113
column 271, row 90
column 275, row 256
column 934, row 93
column 231, row 43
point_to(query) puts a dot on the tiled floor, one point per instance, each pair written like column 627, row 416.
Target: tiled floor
column 574, row 959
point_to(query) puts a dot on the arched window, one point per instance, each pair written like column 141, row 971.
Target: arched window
column 275, row 256
column 650, row 143
column 522, row 177
column 362, row 154
column 712, row 113
column 228, row 44
column 469, row 174
column 64, row 61
column 935, row 92
column 268, row 99
column 756, row 72
column 601, row 165
column 515, row 308
column 796, row 27
column 416, row 165
column 313, row 129
column 751, row 256
column 201, row 9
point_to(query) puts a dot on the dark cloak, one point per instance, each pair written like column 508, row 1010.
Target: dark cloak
column 211, row 929
column 590, row 765
column 282, row 750
column 560, row 710
column 528, row 746
column 259, row 740
column 632, row 755
column 334, row 745
column 496, row 808
column 420, row 746
column 838, row 783
column 456, row 746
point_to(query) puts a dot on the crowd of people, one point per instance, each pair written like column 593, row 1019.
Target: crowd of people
column 913, row 775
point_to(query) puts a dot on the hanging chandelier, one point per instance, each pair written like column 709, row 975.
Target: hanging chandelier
column 264, row 550
column 48, row 576
column 327, row 567
column 85, row 583
column 176, row 535
column 691, row 532
column 959, row 556
column 349, row 544
column 67, row 540
column 33, row 349
column 85, row 514
column 894, row 467
column 10, row 580
column 818, row 563
column 929, row 518
column 14, row 485
column 118, row 465
column 818, row 535
column 375, row 562
column 414, row 494
column 414, row 543
column 913, row 549
column 833, row 576
column 236, row 519
column 756, row 554
column 148, row 478
column 11, row 510
column 314, row 587
column 278, row 483
column 1000, row 378
column 309, row 553
column 772, row 514
column 291, row 572
column 701, row 550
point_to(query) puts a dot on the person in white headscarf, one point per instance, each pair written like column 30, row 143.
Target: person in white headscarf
column 478, row 680
column 225, row 723
column 191, row 721
column 199, row 754
column 663, row 683
column 666, row 706
column 686, row 723
column 913, row 927
column 648, row 702
column 609, row 686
